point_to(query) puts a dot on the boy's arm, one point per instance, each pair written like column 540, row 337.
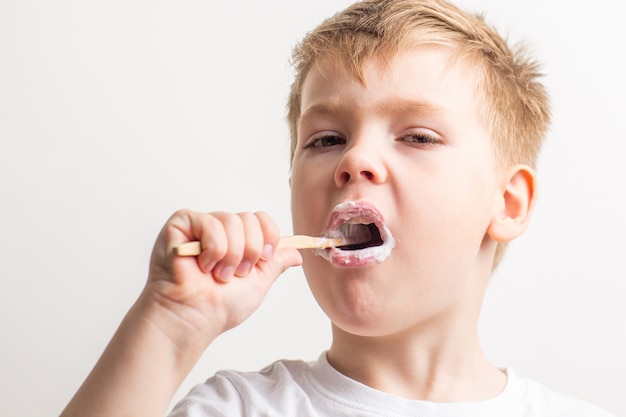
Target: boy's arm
column 139, row 371
column 185, row 305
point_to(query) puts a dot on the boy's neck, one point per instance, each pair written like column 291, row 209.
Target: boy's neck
column 420, row 366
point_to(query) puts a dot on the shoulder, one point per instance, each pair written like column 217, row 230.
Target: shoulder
column 290, row 376
column 542, row 401
column 281, row 385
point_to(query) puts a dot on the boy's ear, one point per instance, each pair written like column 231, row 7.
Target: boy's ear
column 514, row 205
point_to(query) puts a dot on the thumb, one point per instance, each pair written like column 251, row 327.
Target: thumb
column 283, row 259
column 288, row 257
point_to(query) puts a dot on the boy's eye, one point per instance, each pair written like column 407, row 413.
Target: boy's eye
column 421, row 139
column 325, row 142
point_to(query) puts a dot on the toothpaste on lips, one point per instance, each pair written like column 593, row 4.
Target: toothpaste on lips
column 361, row 222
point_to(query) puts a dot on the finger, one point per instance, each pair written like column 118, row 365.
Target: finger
column 271, row 235
column 283, row 259
column 253, row 243
column 187, row 225
column 213, row 237
column 235, row 239
column 275, row 261
column 287, row 258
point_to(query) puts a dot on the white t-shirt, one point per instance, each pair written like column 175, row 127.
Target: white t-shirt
column 303, row 389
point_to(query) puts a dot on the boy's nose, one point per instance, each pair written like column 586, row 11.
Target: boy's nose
column 359, row 164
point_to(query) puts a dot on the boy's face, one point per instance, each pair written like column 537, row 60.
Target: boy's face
column 410, row 148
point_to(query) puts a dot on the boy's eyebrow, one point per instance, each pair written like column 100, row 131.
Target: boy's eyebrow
column 408, row 107
column 401, row 106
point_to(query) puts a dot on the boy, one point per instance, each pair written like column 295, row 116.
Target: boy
column 414, row 130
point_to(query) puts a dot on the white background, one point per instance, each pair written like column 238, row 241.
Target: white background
column 113, row 114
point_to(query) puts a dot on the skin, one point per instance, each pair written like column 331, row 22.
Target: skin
column 406, row 326
column 410, row 140
column 185, row 305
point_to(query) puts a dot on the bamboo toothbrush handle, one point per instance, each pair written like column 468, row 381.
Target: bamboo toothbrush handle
column 310, row 242
column 194, row 248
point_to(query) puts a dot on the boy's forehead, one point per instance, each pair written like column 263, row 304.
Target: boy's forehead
column 385, row 64
column 420, row 71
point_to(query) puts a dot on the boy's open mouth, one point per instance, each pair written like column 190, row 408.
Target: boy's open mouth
column 361, row 235
column 361, row 224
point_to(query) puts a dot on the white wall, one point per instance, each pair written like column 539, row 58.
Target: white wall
column 115, row 113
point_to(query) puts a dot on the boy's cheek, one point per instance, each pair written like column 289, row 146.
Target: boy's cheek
column 298, row 213
column 308, row 211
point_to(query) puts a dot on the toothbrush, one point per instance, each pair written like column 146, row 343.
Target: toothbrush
column 194, row 248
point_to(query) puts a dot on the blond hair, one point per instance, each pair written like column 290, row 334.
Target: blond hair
column 515, row 105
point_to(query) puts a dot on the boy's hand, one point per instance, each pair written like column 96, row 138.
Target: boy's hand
column 223, row 285
column 186, row 303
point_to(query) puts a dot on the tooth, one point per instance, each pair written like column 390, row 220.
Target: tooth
column 355, row 232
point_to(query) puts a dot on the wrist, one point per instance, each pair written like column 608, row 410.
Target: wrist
column 153, row 350
column 185, row 331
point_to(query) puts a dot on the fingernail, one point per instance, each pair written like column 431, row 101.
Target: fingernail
column 226, row 273
column 243, row 269
column 267, row 252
